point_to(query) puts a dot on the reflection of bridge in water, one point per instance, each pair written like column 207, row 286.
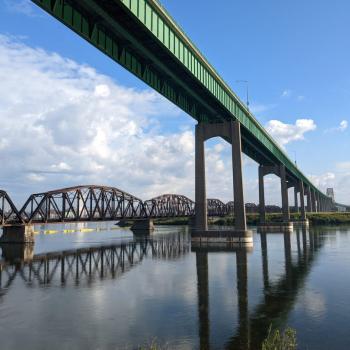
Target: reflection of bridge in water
column 87, row 265
column 279, row 296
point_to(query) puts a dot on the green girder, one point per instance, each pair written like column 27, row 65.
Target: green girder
column 142, row 37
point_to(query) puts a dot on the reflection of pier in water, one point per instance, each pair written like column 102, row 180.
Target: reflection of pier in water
column 279, row 297
column 85, row 264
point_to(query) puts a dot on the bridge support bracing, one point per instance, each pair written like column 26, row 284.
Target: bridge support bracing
column 284, row 193
column 281, row 172
column 18, row 234
column 231, row 132
column 262, row 209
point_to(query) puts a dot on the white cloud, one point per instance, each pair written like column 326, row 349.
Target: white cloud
column 286, row 133
column 286, row 93
column 343, row 125
column 323, row 181
column 343, row 166
column 339, row 180
column 64, row 124
column 25, row 7
column 260, row 108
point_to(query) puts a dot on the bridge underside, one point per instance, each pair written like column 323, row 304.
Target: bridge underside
column 112, row 28
column 143, row 38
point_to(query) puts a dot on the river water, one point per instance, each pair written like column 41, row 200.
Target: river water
column 95, row 286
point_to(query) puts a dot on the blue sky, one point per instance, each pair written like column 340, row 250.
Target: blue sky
column 293, row 53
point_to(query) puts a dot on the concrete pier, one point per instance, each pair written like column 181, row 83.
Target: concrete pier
column 302, row 201
column 262, row 210
column 284, row 193
column 142, row 226
column 231, row 132
column 286, row 224
column 18, row 234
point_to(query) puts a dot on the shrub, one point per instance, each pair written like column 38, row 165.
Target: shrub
column 276, row 340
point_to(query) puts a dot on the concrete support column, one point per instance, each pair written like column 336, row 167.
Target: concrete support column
column 308, row 194
column 142, row 226
column 284, row 192
column 262, row 209
column 296, row 205
column 318, row 202
column 313, row 201
column 17, row 234
column 302, row 201
column 201, row 222
column 239, row 207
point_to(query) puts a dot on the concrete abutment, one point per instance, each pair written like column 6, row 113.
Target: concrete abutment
column 18, row 234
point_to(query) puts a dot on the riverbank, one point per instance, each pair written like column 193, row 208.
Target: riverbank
column 253, row 219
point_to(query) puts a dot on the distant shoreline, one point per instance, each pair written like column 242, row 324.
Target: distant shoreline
column 253, row 219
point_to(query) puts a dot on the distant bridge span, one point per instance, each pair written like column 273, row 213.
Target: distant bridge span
column 98, row 203
column 103, row 203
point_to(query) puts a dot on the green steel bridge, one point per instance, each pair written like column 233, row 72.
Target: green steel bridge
column 143, row 38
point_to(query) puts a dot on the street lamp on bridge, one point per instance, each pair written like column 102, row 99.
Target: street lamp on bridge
column 247, row 89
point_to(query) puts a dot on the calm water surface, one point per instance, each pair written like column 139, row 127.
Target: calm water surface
column 97, row 287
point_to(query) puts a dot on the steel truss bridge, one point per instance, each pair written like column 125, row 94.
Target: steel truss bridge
column 99, row 203
column 102, row 203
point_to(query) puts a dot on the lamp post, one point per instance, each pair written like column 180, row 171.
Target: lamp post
column 295, row 157
column 247, row 89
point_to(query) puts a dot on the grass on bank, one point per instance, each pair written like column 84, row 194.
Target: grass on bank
column 275, row 340
column 253, row 219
